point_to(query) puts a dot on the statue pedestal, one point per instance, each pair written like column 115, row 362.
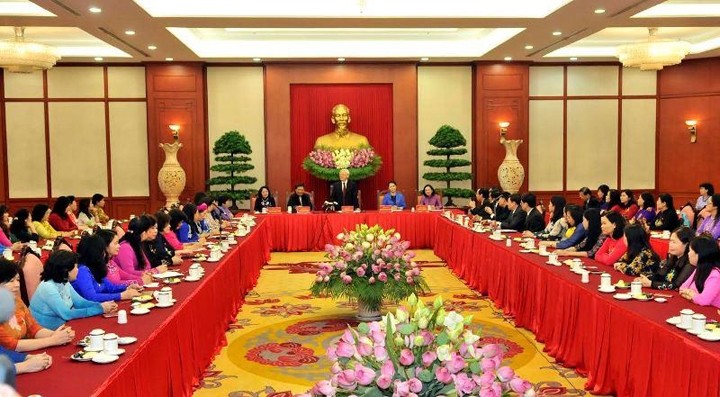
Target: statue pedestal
column 171, row 177
column 511, row 173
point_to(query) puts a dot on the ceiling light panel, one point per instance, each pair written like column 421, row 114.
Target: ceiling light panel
column 350, row 43
column 23, row 8
column 70, row 42
column 352, row 8
column 681, row 9
column 605, row 42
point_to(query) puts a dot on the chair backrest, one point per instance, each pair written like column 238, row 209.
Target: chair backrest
column 381, row 195
column 32, row 267
column 687, row 216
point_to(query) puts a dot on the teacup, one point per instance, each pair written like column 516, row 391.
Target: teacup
column 686, row 318
column 195, row 270
column 224, row 246
column 605, row 280
column 110, row 343
column 585, row 277
column 698, row 323
column 215, row 255
column 636, row 288
column 543, row 249
column 231, row 238
column 96, row 339
column 164, row 298
column 553, row 258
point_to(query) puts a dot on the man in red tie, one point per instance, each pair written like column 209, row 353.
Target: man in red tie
column 344, row 191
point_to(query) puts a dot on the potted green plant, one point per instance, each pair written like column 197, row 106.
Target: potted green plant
column 449, row 142
column 232, row 152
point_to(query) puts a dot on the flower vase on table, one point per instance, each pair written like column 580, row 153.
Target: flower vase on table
column 369, row 266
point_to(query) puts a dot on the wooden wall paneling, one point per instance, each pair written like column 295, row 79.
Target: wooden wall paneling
column 176, row 95
column 4, row 187
column 278, row 78
column 123, row 207
column 501, row 94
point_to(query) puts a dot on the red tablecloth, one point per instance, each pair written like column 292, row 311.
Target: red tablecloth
column 660, row 246
column 175, row 345
column 623, row 347
column 310, row 232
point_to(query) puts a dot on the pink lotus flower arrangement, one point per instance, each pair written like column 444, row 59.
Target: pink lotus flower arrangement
column 369, row 265
column 324, row 163
column 420, row 351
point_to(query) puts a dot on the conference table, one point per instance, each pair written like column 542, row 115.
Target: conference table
column 624, row 348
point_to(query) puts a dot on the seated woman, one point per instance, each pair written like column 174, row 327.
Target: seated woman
column 85, row 218
column 5, row 241
column 590, row 243
column 429, row 197
column 613, row 201
column 575, row 232
column 224, row 204
column 264, row 199
column 188, row 231
column 393, row 197
column 98, row 203
column 176, row 218
column 22, row 228
column 55, row 301
column 115, row 274
column 706, row 191
column 703, row 286
column 131, row 258
column 602, row 193
column 614, row 246
column 646, row 212
column 22, row 333
column 673, row 271
column 159, row 251
column 40, row 216
column 556, row 228
column 59, row 218
column 666, row 217
column 202, row 224
column 209, row 221
column 92, row 282
column 639, row 257
column 710, row 224
column 627, row 204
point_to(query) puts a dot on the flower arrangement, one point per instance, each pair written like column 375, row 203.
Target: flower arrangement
column 324, row 163
column 420, row 351
column 369, row 265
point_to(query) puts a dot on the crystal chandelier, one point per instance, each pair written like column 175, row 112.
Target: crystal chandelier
column 654, row 53
column 19, row 56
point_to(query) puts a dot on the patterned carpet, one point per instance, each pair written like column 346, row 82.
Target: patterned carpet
column 277, row 345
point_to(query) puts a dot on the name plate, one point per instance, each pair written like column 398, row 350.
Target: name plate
column 421, row 208
column 303, row 209
column 385, row 208
column 347, row 208
column 274, row 210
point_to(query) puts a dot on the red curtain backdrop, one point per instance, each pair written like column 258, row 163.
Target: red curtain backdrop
column 371, row 112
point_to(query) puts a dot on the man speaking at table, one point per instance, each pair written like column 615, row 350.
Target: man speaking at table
column 344, row 191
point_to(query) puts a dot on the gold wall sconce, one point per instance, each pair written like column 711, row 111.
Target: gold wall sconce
column 503, row 127
column 175, row 131
column 692, row 128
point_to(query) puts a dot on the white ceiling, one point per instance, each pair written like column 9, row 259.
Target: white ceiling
column 376, row 30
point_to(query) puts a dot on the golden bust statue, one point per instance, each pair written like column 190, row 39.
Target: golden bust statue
column 341, row 138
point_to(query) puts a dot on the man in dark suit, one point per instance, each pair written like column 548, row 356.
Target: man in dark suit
column 299, row 198
column 516, row 219
column 534, row 221
column 344, row 191
column 499, row 210
column 477, row 206
column 587, row 198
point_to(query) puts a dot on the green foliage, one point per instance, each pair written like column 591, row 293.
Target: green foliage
column 232, row 150
column 449, row 142
column 447, row 152
column 448, row 137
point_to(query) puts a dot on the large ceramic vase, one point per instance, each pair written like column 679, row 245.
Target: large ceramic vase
column 171, row 176
column 511, row 173
column 366, row 314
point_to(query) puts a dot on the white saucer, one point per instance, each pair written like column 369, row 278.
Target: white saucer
column 126, row 340
column 679, row 325
column 164, row 306
column 139, row 311
column 673, row 320
column 694, row 332
column 88, row 349
column 553, row 263
column 710, row 336
column 660, row 300
column 191, row 279
column 213, row 260
column 607, row 291
column 544, row 253
column 152, row 285
column 622, row 297
column 525, row 251
column 232, row 242
column 117, row 352
column 102, row 358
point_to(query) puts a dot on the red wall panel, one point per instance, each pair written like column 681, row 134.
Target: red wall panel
column 689, row 91
column 176, row 95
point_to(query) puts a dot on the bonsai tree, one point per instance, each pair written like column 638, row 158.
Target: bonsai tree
column 231, row 151
column 449, row 142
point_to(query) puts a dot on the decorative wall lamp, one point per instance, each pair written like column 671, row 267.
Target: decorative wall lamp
column 171, row 177
column 503, row 128
column 691, row 126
